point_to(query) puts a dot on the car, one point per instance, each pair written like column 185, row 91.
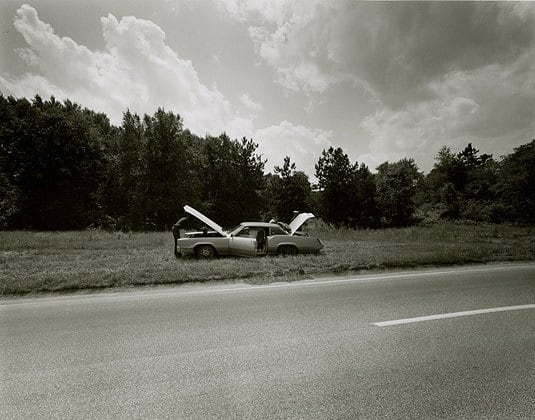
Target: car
column 248, row 239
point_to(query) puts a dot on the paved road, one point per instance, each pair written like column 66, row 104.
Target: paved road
column 303, row 350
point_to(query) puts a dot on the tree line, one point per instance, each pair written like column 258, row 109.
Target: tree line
column 67, row 167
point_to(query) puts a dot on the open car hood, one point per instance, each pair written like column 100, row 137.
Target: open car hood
column 205, row 220
column 299, row 220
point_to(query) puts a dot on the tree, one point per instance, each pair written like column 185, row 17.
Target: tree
column 10, row 195
column 232, row 179
column 515, row 188
column 122, row 193
column 52, row 159
column 288, row 190
column 469, row 158
column 448, row 168
column 462, row 183
column 251, row 175
column 365, row 211
column 9, row 200
column 335, row 179
column 347, row 190
column 396, row 188
column 166, row 172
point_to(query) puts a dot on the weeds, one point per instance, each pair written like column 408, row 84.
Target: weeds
column 64, row 261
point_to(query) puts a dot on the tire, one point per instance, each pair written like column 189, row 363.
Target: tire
column 205, row 252
column 287, row 250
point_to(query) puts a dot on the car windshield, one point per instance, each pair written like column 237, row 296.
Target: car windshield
column 234, row 229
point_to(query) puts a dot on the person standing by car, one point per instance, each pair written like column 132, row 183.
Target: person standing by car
column 176, row 232
column 261, row 241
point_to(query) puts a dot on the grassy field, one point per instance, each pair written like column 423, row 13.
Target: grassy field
column 67, row 261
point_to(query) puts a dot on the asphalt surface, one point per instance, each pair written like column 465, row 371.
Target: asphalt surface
column 297, row 350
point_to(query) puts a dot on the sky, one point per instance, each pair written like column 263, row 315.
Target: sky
column 382, row 80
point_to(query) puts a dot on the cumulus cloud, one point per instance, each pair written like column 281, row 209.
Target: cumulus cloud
column 302, row 144
column 492, row 107
column 250, row 104
column 137, row 70
column 293, row 43
column 272, row 11
column 398, row 49
column 395, row 48
column 438, row 73
column 434, row 73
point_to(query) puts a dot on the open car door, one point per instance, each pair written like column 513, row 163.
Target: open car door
column 299, row 220
column 205, row 220
column 243, row 246
column 244, row 242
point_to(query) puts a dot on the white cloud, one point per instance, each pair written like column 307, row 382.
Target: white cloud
column 304, row 145
column 290, row 35
column 272, row 11
column 249, row 104
column 32, row 85
column 492, row 107
column 137, row 71
column 394, row 48
column 291, row 39
column 438, row 73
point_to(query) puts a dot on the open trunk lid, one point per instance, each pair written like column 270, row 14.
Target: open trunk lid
column 299, row 220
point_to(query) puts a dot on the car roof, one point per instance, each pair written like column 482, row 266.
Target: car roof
column 295, row 224
column 260, row 224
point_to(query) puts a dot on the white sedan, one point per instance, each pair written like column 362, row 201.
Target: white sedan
column 248, row 239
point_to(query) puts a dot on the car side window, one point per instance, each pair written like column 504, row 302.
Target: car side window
column 249, row 232
column 244, row 233
column 277, row 231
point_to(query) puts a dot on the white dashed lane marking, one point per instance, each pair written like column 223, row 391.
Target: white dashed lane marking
column 453, row 315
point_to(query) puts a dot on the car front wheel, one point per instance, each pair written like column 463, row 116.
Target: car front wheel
column 205, row 252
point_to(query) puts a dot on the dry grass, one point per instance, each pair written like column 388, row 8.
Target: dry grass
column 66, row 261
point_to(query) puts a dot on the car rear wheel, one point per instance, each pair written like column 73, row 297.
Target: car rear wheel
column 205, row 252
column 287, row 250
